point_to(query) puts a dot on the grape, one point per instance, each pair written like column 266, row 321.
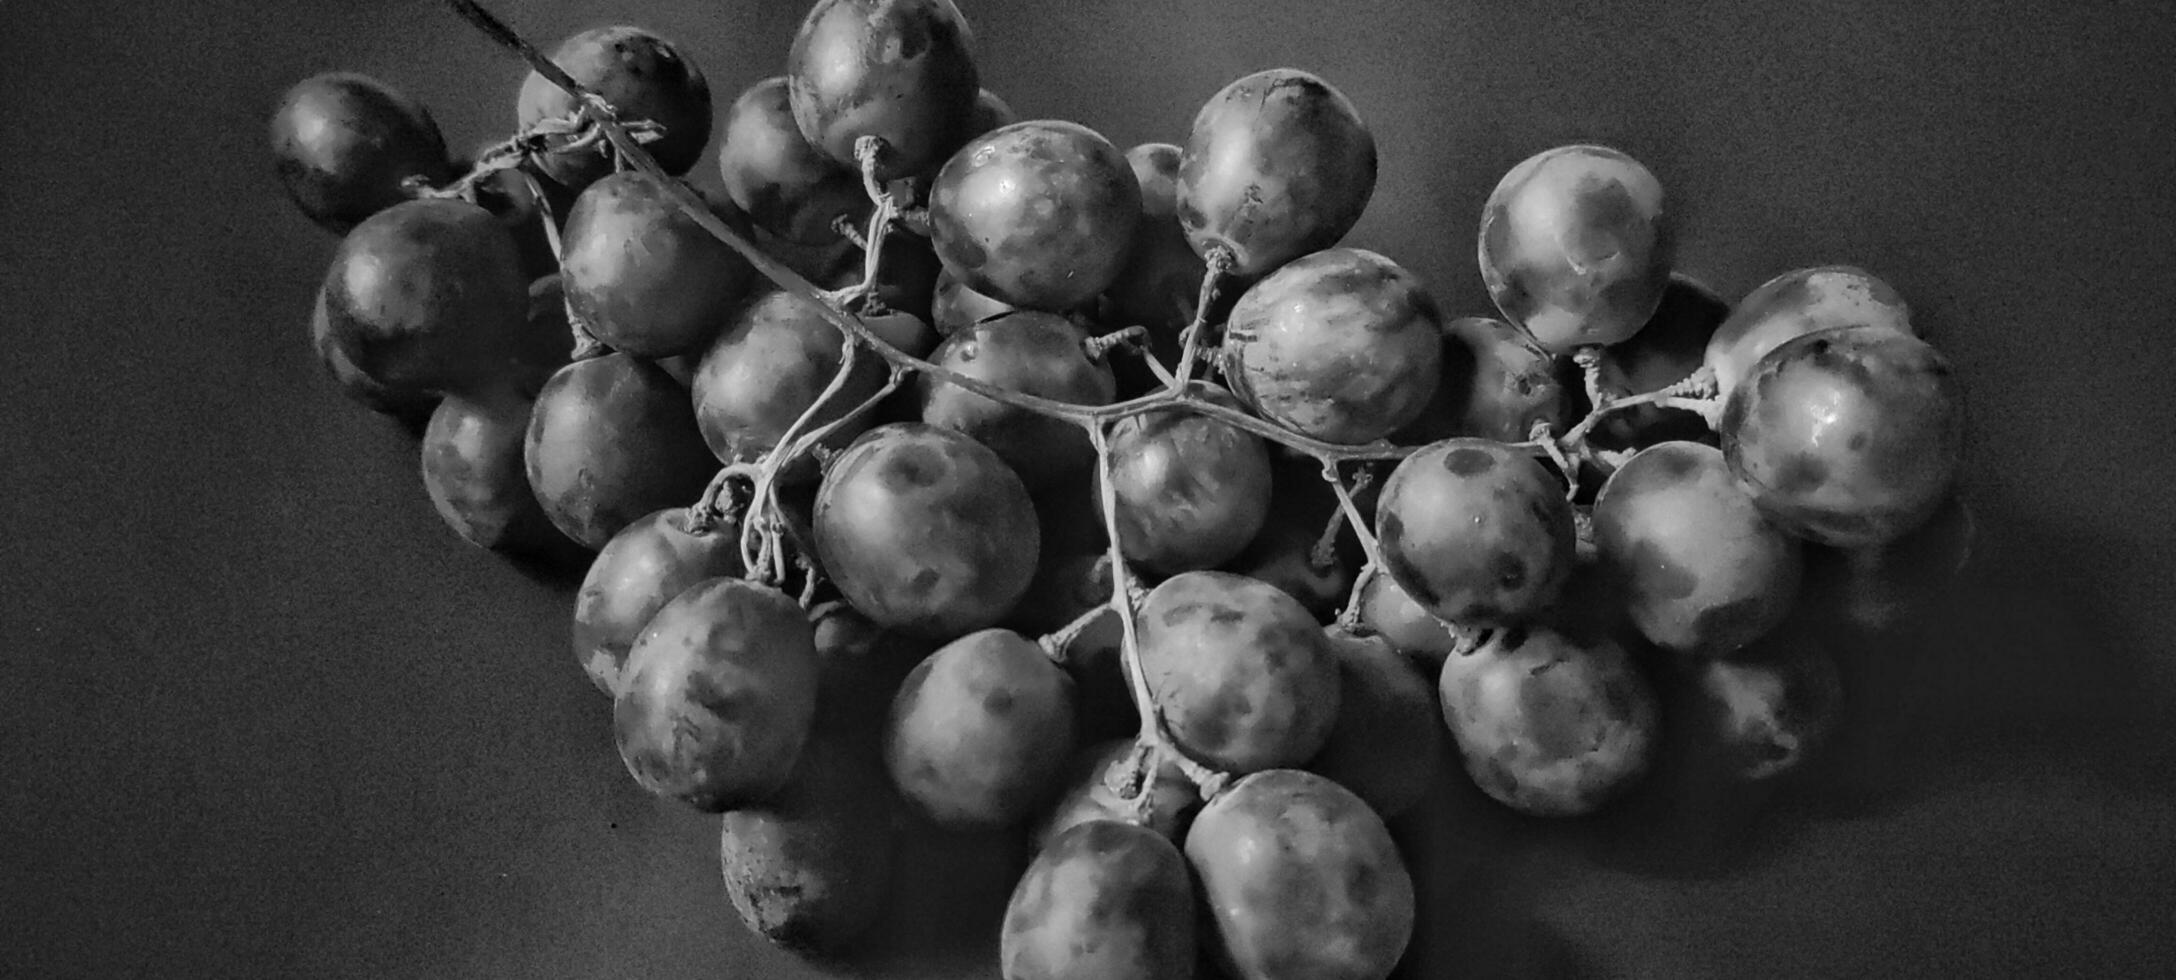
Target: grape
column 783, row 184
column 718, row 695
column 902, row 71
column 1387, row 745
column 1161, row 281
column 1392, row 614
column 1106, row 900
column 412, row 407
column 1765, row 711
column 644, row 77
column 954, row 307
column 925, row 530
column 1191, row 491
column 647, row 564
column 1038, row 214
column 1342, row 345
column 979, row 731
column 1495, row 383
column 1702, row 572
column 811, row 868
column 991, row 112
column 1795, row 304
column 612, row 439
column 642, row 275
column 1089, row 796
column 859, row 667
column 1476, row 532
column 1288, row 553
column 428, row 295
column 1847, row 437
column 1243, row 675
column 1301, row 879
column 1576, row 246
column 1277, row 165
column 1549, row 725
column 344, row 144
column 1032, row 353
column 472, row 470
column 768, row 366
column 1665, row 351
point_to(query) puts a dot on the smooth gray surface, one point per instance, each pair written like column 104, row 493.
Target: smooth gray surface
column 265, row 716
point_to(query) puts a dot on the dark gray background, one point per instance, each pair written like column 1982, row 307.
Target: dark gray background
column 265, row 716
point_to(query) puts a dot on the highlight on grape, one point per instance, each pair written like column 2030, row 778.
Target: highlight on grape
column 980, row 469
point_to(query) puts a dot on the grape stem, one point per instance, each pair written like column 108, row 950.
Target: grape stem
column 1154, row 733
column 1058, row 644
column 1220, row 263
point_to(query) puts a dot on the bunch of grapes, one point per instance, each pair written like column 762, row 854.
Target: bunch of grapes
column 982, row 470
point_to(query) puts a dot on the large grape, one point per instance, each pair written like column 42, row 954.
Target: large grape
column 647, row 564
column 926, row 530
column 472, row 470
column 1106, row 900
column 642, row 75
column 1342, row 345
column 412, row 407
column 783, row 184
column 1242, row 673
column 1475, row 531
column 811, row 868
column 1496, row 383
column 428, row 295
column 1038, row 214
column 902, row 71
column 718, row 695
column 980, row 731
column 1387, row 745
column 1764, row 712
column 1549, row 725
column 1191, row 490
column 1277, row 165
column 767, row 368
column 345, row 145
column 1701, row 570
column 1576, row 246
column 610, row 440
column 642, row 275
column 1795, row 304
column 1847, row 437
column 1161, row 281
column 1301, row 879
column 1032, row 353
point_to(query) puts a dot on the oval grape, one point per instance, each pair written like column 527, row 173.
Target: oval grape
column 644, row 77
column 641, row 275
column 345, row 145
column 1847, row 437
column 1701, row 571
column 1037, row 214
column 1797, row 303
column 1277, row 165
column 925, row 530
column 902, row 71
column 718, row 695
column 1301, row 879
column 1576, row 246
column 1549, row 725
column 1106, row 900
column 980, row 731
column 611, row 439
column 1477, row 532
column 1342, row 345
column 1243, row 675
